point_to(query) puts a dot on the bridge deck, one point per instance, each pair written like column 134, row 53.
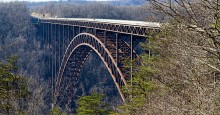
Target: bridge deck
column 138, row 28
column 110, row 21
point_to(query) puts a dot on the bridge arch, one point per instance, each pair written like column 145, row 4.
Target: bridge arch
column 76, row 54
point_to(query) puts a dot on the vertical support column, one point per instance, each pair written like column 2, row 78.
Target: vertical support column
column 131, row 72
column 79, row 30
column 46, row 35
column 86, row 30
column 48, row 30
column 52, row 78
column 105, row 38
column 52, row 52
column 149, row 53
column 117, row 74
column 94, row 30
column 131, row 59
column 59, row 40
column 117, row 49
column 43, row 41
column 68, row 38
column 63, row 44
column 73, row 33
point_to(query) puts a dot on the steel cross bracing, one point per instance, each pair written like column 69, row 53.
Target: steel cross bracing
column 119, row 26
column 70, row 42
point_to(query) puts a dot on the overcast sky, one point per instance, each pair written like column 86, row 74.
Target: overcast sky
column 41, row 0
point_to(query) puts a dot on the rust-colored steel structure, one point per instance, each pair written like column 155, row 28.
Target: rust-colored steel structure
column 70, row 41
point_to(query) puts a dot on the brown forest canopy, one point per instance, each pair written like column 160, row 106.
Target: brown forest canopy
column 96, row 10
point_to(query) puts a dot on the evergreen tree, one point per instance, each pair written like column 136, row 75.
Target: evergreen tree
column 57, row 111
column 139, row 86
column 13, row 88
column 92, row 105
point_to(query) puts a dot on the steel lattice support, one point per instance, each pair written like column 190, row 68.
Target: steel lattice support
column 114, row 27
column 106, row 54
column 70, row 42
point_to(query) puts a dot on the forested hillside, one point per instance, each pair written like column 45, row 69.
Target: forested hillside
column 115, row 2
column 96, row 10
column 181, row 77
column 17, row 37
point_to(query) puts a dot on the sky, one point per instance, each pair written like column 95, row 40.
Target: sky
column 41, row 0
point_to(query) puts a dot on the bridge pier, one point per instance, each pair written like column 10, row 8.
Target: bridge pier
column 117, row 48
column 131, row 46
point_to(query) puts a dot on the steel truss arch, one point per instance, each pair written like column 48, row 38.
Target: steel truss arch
column 85, row 41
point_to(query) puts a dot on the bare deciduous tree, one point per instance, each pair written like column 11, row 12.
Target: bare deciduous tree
column 188, row 47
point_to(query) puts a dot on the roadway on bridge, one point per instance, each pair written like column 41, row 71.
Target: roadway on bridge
column 106, row 21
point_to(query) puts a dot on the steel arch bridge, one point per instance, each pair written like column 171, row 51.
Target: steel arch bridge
column 70, row 41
